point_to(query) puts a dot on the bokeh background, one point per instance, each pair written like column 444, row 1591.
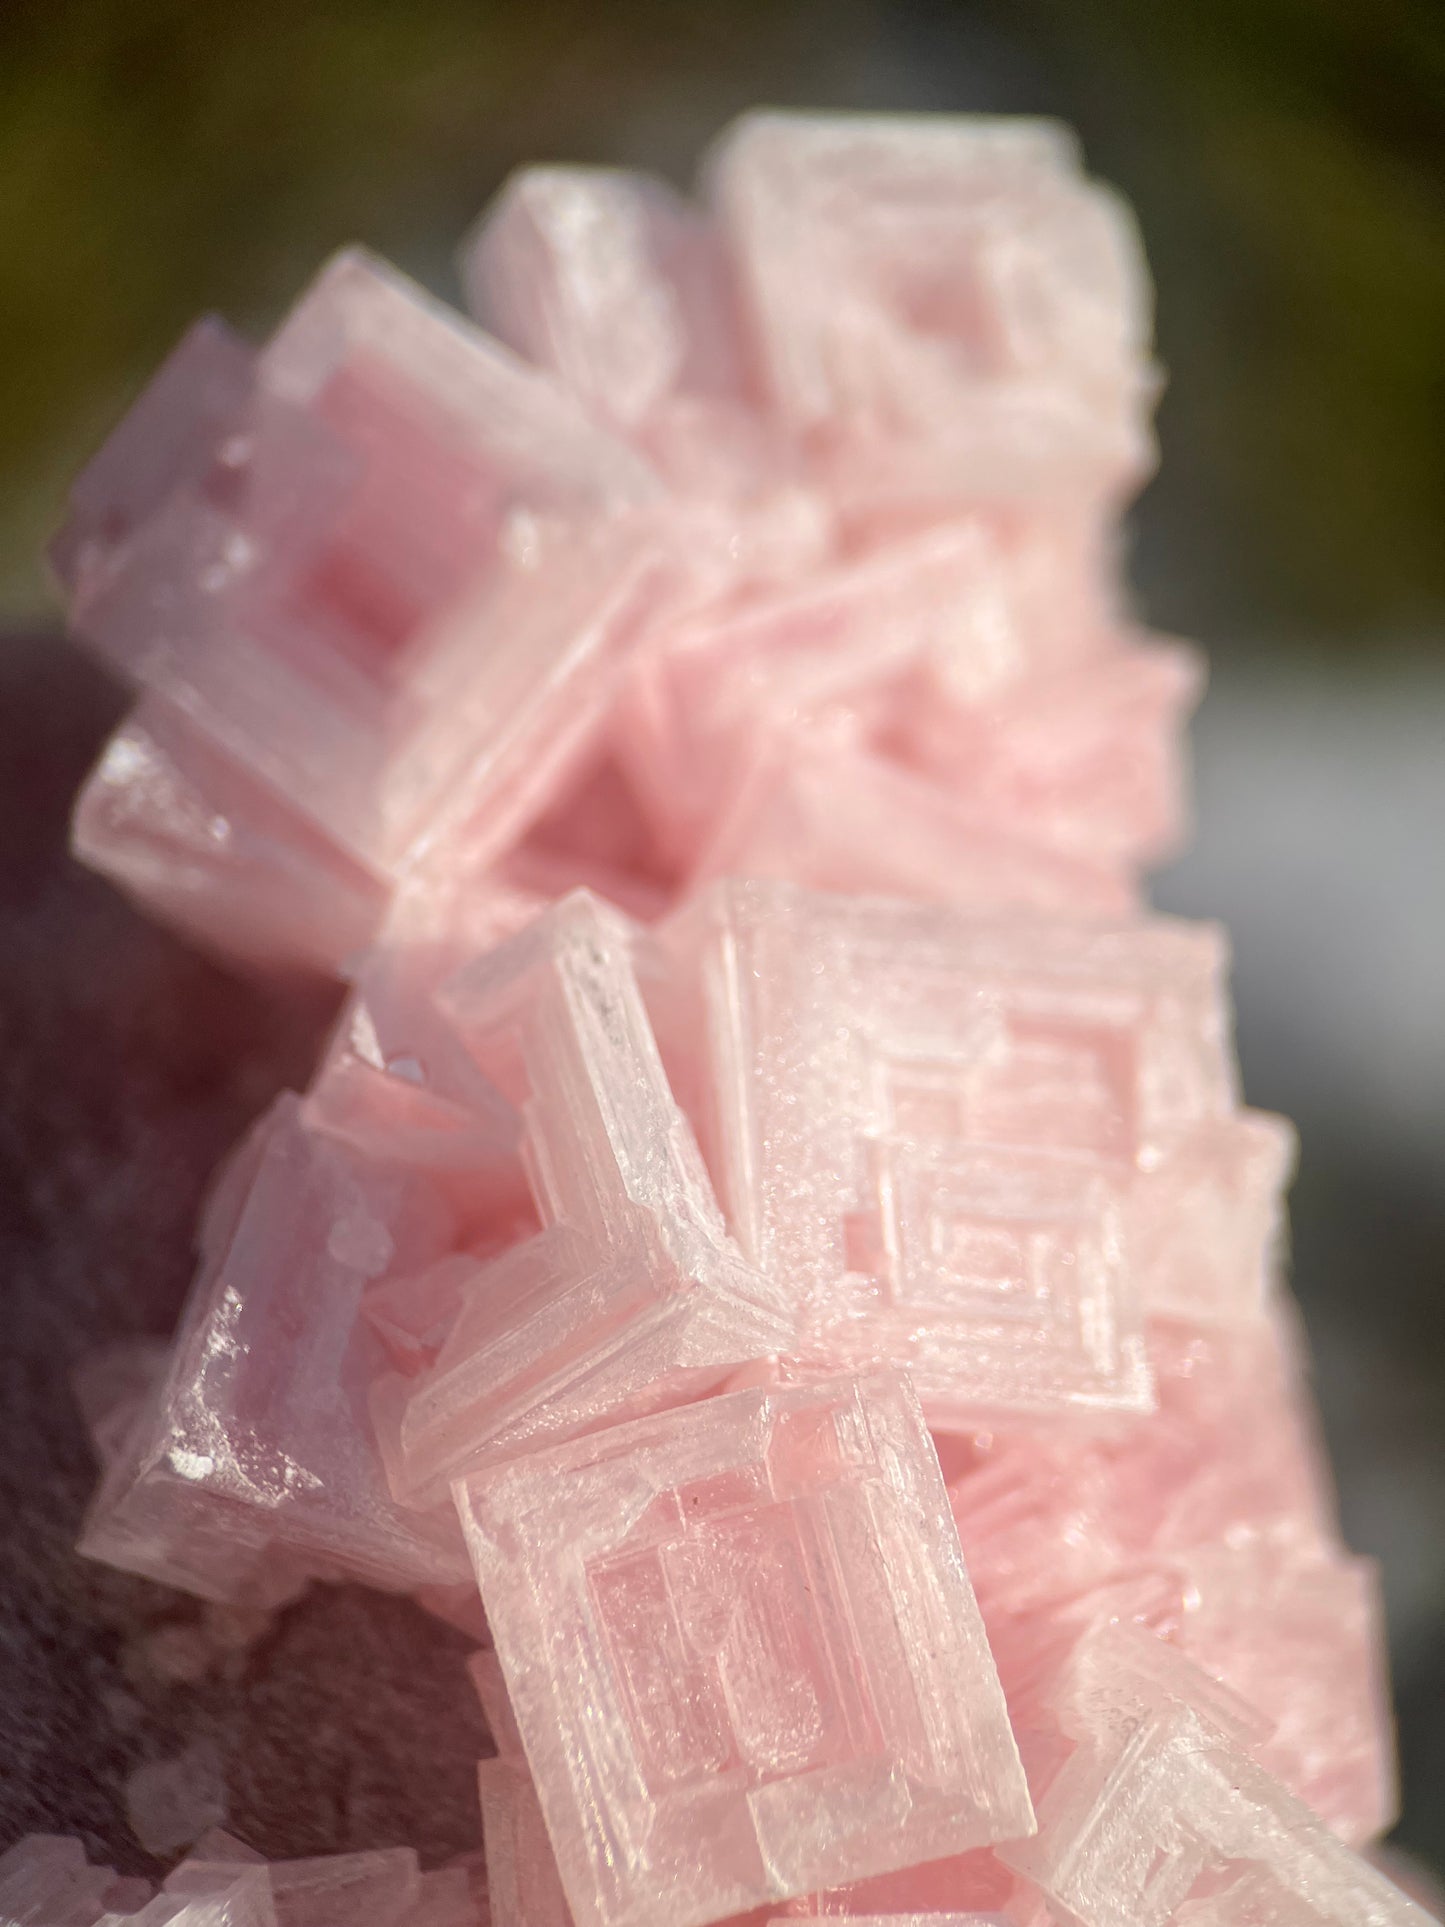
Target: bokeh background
column 1287, row 158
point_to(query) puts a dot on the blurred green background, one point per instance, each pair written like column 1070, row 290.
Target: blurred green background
column 1287, row 158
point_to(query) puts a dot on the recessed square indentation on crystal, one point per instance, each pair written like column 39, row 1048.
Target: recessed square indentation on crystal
column 743, row 1652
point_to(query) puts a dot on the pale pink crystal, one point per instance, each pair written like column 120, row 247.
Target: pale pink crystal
column 447, row 1897
column 612, row 283
column 1043, row 1517
column 790, row 560
column 520, row 1854
column 209, row 1894
column 843, row 818
column 1301, row 1638
column 379, row 569
column 523, row 1884
column 913, row 644
column 213, row 852
column 46, row 1881
column 346, row 1889
column 1158, row 1812
column 370, row 1889
column 945, row 308
column 631, row 1295
column 616, row 286
column 940, row 1131
column 742, row 1652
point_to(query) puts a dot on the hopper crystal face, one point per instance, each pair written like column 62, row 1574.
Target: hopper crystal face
column 538, row 687
column 944, row 308
column 742, row 1652
column 378, row 570
column 520, row 1860
column 844, row 819
column 1159, row 1814
column 937, row 1130
column 612, row 283
column 631, row 1295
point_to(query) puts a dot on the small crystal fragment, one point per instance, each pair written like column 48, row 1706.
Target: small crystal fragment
column 46, row 1881
column 943, row 1150
column 1158, row 1810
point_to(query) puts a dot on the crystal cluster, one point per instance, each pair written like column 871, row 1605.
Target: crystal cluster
column 773, row 1247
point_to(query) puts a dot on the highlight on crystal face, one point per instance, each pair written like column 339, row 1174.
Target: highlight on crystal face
column 772, row 1250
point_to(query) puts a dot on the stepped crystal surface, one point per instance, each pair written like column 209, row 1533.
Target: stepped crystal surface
column 944, row 307
column 964, row 1143
column 45, row 1882
column 694, row 710
column 1158, row 1813
column 402, row 599
column 631, row 1294
column 760, row 1603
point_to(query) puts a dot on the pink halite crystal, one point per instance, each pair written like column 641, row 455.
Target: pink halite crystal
column 221, row 857
column 375, row 571
column 945, row 307
column 1157, row 1809
column 759, row 1602
column 46, row 1881
column 254, row 1463
column 631, row 1294
column 962, row 1155
column 541, row 690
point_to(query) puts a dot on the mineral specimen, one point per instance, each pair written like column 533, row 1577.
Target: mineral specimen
column 705, row 730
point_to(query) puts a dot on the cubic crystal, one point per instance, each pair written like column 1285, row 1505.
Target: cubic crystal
column 942, row 1133
column 742, row 1652
column 631, row 1295
column 944, row 309
column 378, row 571
column 254, row 1466
column 1158, row 1809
